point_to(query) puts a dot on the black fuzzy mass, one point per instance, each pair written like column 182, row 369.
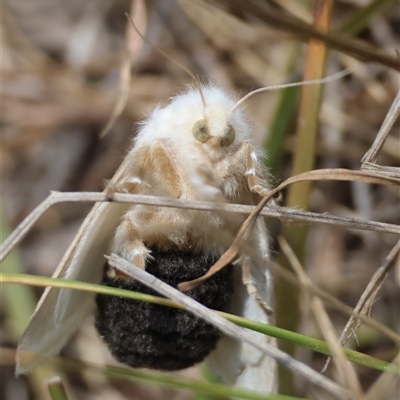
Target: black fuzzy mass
column 145, row 335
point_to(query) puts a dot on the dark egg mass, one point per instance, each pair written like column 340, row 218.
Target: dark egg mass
column 145, row 335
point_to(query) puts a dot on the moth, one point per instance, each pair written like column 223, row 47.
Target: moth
column 199, row 147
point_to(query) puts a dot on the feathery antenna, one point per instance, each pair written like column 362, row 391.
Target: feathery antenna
column 327, row 79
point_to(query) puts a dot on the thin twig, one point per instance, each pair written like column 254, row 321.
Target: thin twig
column 367, row 298
column 393, row 172
column 336, row 303
column 282, row 213
column 390, row 119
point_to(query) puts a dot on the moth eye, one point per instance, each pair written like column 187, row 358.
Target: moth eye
column 200, row 130
column 229, row 137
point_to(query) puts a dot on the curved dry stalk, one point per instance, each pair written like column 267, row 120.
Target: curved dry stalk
column 339, row 174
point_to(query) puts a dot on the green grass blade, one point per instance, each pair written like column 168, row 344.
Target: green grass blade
column 289, row 336
column 57, row 389
column 362, row 17
column 171, row 380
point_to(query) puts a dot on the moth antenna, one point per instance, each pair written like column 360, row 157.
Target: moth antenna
column 327, row 79
column 192, row 75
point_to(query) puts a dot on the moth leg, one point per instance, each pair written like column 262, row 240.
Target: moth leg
column 130, row 176
column 164, row 169
column 128, row 245
column 248, row 280
column 157, row 169
column 253, row 170
column 131, row 186
column 196, row 180
column 202, row 179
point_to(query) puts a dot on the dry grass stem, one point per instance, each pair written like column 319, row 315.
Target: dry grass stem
column 344, row 368
column 337, row 304
column 385, row 386
column 391, row 116
column 367, row 299
column 290, row 215
column 272, row 18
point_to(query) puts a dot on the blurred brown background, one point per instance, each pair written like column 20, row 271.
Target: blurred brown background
column 61, row 63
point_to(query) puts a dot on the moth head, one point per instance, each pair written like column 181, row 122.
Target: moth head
column 201, row 132
column 214, row 126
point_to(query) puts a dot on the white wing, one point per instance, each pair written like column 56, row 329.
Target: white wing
column 60, row 311
column 236, row 363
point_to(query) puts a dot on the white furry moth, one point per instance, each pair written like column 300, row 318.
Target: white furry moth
column 199, row 147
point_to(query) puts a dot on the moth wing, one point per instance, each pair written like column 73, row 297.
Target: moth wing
column 60, row 311
column 236, row 363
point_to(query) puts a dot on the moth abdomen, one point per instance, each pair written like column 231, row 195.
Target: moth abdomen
column 145, row 335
